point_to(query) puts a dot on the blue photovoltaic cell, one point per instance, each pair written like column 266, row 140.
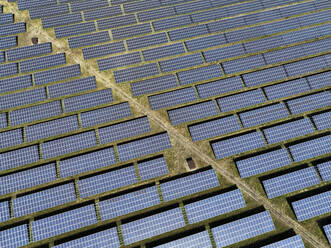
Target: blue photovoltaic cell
column 293, row 242
column 102, row 12
column 199, row 74
column 145, row 41
column 241, row 100
column 152, row 225
column 103, row 50
column 152, row 168
column 34, row 113
column 286, row 89
column 15, row 83
column 87, row 162
column 319, row 80
column 11, row 138
column 128, row 203
column 8, row 42
column 106, row 238
column 15, row 158
column 209, row 15
column 102, row 115
column 226, row 24
column 288, row 130
column 191, row 7
column 14, row 237
column 136, row 73
column 51, row 128
column 312, row 206
column 172, row 98
column 6, row 18
column 24, row 4
column 119, row 61
column 4, row 211
column 262, row 163
column 88, row 39
column 171, row 23
column 45, row 199
column 69, row 144
column 63, row 222
column 107, row 181
column 263, row 115
column 131, row 31
column 189, row 185
column 29, row 51
column 290, row 182
column 88, row 100
column 285, row 54
column 322, row 121
column 181, row 62
column 28, row 178
column 48, row 11
column 242, row 229
column 214, row 128
column 144, row 146
column 74, row 29
column 57, row 74
column 71, row 87
column 164, row 51
column 205, row 42
column 124, row 130
column 205, row 209
column 186, row 33
column 236, row 145
column 309, row 102
column 12, row 28
column 195, row 240
column 218, row 87
column 264, row 44
column 192, row 112
column 245, row 34
column 156, row 14
column 264, row 76
column 311, row 148
column 115, row 22
column 153, row 85
column 8, row 69
column 306, row 66
column 243, row 64
column 141, row 5
column 325, row 170
column 2, row 57
column 327, row 230
column 66, row 19
column 3, row 120
column 82, row 5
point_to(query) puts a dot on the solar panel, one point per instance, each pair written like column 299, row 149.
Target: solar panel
column 172, row 98
column 24, row 4
column 74, row 29
column 245, row 34
column 322, row 121
column 131, row 31
column 2, row 56
column 45, row 199
column 102, row 12
column 237, row 145
column 192, row 112
column 71, row 87
column 306, row 66
column 14, row 237
column 16, row 158
column 185, row 33
column 214, row 128
column 6, row 18
column 286, row 89
column 144, row 146
column 68, row 144
column 88, row 39
column 15, row 83
column 8, row 70
column 141, row 5
column 295, row 242
column 48, row 11
column 262, row 163
column 312, row 206
column 200, row 239
column 152, row 168
column 3, row 120
column 29, row 51
column 264, row 76
column 243, row 229
column 209, row 15
column 107, row 114
column 223, row 25
column 199, row 74
column 243, row 64
column 164, row 51
column 241, row 100
column 42, row 62
column 129, row 202
column 34, row 113
column 88, row 100
column 218, row 87
column 115, row 22
column 309, row 102
column 23, row 98
column 311, row 148
column 181, row 62
column 205, row 42
column 11, row 138
column 57, row 74
column 87, row 162
column 189, row 184
column 66, row 19
column 327, row 230
column 285, row 54
column 8, row 42
column 12, row 28
column 204, row 209
column 148, row 40
column 83, row 5
column 152, row 225
column 288, row 130
column 107, row 181
column 264, row 44
column 156, row 14
column 103, row 50
column 27, row 178
column 106, row 238
column 319, row 80
column 136, row 72
column 119, row 61
column 4, row 211
column 325, row 170
column 63, row 222
column 153, row 85
column 290, row 182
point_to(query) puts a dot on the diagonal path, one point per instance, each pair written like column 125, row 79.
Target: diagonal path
column 176, row 136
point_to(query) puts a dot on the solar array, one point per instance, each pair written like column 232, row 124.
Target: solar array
column 82, row 166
